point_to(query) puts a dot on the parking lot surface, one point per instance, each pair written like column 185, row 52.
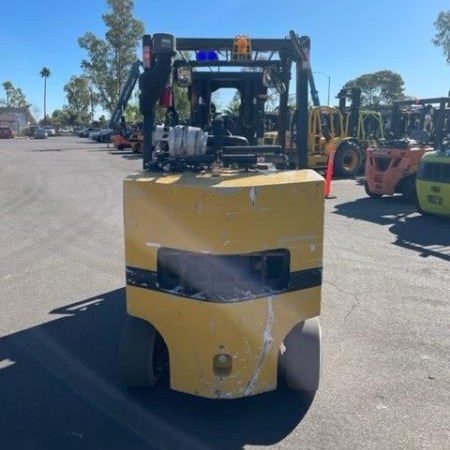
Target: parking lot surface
column 385, row 322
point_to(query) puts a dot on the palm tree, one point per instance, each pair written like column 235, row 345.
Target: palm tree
column 45, row 73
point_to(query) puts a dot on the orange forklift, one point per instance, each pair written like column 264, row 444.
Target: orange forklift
column 391, row 166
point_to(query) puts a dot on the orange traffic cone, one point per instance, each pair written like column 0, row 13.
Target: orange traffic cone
column 329, row 174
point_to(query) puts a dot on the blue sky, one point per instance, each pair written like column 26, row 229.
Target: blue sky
column 349, row 38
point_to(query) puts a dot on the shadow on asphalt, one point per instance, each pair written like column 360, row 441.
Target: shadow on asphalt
column 427, row 235
column 127, row 154
column 384, row 211
column 60, row 390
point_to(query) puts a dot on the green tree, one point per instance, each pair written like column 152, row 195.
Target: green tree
column 95, row 100
column 442, row 37
column 15, row 98
column 110, row 59
column 132, row 113
column 183, row 104
column 45, row 73
column 18, row 99
column 9, row 88
column 59, row 118
column 79, row 97
column 232, row 108
column 378, row 88
column 64, row 117
column 67, row 116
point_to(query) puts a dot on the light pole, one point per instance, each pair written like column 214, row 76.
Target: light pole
column 329, row 83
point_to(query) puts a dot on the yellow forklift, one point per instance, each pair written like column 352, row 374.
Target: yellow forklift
column 223, row 237
column 327, row 132
column 364, row 125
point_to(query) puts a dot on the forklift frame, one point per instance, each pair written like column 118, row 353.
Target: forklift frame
column 223, row 256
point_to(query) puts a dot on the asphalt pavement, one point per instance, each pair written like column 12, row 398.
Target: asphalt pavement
column 385, row 322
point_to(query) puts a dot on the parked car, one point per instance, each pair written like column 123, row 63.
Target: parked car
column 50, row 130
column 40, row 133
column 86, row 131
column 93, row 134
column 65, row 132
column 6, row 133
column 30, row 130
column 104, row 135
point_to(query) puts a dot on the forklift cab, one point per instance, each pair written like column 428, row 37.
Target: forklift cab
column 253, row 96
column 223, row 242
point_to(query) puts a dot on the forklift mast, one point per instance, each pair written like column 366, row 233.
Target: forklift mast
column 125, row 94
column 354, row 95
column 312, row 88
column 160, row 70
column 441, row 113
column 324, row 122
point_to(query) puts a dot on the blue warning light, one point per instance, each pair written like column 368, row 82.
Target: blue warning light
column 207, row 55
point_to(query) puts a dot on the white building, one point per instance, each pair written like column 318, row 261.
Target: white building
column 15, row 118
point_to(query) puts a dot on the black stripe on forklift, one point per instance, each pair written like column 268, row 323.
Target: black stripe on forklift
column 299, row 280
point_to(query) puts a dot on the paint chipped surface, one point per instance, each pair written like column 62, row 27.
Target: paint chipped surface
column 152, row 244
column 303, row 237
column 267, row 345
column 253, row 195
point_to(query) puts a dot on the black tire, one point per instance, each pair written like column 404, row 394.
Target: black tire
column 300, row 364
column 347, row 161
column 369, row 192
column 142, row 354
column 136, row 148
column 407, row 187
column 420, row 210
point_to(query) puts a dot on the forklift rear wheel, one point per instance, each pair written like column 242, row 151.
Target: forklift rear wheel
column 136, row 148
column 142, row 354
column 408, row 189
column 347, row 161
column 369, row 192
column 300, row 363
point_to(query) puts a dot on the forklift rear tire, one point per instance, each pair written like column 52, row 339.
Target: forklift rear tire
column 347, row 161
column 408, row 189
column 369, row 192
column 301, row 362
column 138, row 358
column 136, row 148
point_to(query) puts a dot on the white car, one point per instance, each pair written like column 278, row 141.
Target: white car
column 40, row 133
column 50, row 130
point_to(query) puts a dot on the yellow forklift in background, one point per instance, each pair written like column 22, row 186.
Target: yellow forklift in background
column 223, row 237
column 326, row 133
column 364, row 125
